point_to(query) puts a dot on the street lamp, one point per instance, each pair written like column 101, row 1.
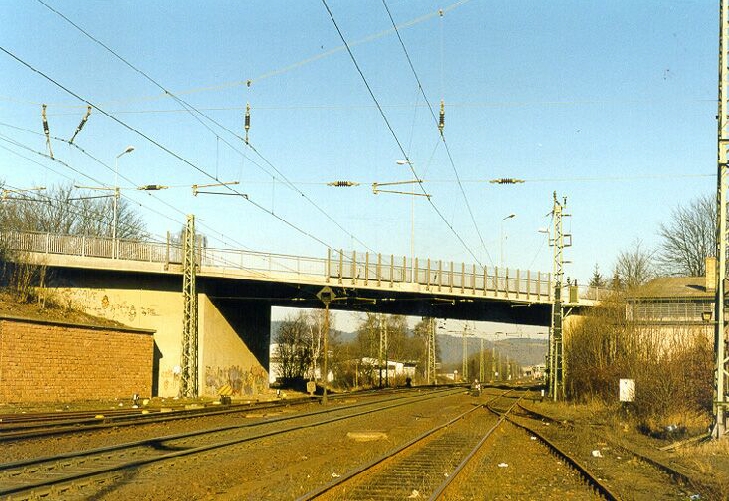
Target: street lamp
column 412, row 224
column 377, row 188
column 501, row 240
column 129, row 149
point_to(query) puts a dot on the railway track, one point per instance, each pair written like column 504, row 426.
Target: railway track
column 416, row 468
column 619, row 455
column 15, row 427
column 449, row 461
column 77, row 474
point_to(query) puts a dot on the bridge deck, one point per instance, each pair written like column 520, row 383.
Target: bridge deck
column 353, row 270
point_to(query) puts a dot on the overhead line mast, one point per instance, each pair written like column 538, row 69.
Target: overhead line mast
column 720, row 374
column 559, row 241
column 189, row 355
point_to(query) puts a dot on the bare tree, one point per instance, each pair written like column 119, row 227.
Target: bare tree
column 635, row 266
column 688, row 238
column 294, row 351
column 60, row 210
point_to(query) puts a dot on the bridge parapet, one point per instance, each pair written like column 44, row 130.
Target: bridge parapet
column 441, row 277
column 353, row 269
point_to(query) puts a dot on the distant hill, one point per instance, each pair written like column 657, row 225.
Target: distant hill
column 344, row 337
column 525, row 351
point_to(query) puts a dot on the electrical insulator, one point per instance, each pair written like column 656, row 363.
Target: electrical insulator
column 46, row 130
column 247, row 125
column 441, row 122
column 343, row 184
column 81, row 125
column 506, row 180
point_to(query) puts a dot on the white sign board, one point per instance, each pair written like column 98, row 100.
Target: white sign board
column 627, row 390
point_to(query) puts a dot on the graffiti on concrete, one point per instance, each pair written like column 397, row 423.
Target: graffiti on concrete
column 98, row 302
column 244, row 382
column 170, row 378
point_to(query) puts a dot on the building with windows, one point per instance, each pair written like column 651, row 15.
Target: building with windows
column 676, row 305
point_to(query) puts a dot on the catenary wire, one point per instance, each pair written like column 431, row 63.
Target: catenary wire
column 289, row 67
column 198, row 114
column 394, row 135
column 165, row 149
column 435, row 119
column 160, row 238
column 70, row 206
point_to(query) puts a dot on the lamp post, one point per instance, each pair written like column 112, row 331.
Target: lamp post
column 412, row 225
column 129, row 149
column 501, row 239
column 377, row 188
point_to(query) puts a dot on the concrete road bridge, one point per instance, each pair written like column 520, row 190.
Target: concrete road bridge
column 139, row 283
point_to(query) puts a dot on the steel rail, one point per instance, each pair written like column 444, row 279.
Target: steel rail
column 443, row 486
column 390, row 454
column 591, row 479
column 155, row 446
column 675, row 474
column 32, row 426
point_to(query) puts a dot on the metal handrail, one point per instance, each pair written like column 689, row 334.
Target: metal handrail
column 360, row 269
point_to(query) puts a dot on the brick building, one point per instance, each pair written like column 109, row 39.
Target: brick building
column 53, row 361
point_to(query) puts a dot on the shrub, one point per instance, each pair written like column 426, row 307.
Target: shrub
column 672, row 366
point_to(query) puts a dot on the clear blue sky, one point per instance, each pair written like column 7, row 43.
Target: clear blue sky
column 611, row 104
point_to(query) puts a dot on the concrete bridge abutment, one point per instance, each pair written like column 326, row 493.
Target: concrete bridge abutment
column 233, row 333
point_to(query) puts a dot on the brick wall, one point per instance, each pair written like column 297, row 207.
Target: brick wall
column 56, row 362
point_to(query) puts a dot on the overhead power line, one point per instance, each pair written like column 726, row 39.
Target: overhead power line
column 210, row 231
column 165, row 148
column 195, row 113
column 394, row 135
column 439, row 121
column 71, row 207
column 289, row 67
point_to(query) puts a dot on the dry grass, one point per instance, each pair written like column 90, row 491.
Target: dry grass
column 672, row 369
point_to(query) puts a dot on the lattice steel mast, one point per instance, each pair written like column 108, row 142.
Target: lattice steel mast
column 559, row 241
column 188, row 375
column 720, row 381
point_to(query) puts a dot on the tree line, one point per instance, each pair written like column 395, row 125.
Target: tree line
column 685, row 241
column 298, row 351
column 65, row 210
column 59, row 209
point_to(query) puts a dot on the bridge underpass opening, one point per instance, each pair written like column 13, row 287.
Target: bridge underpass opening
column 235, row 314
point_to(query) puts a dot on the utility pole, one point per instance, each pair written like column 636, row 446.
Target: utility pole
column 464, row 367
column 720, row 373
column 480, row 363
column 379, row 357
column 325, row 362
column 326, row 296
column 559, row 240
column 430, row 374
column 188, row 375
column 115, row 216
column 387, row 368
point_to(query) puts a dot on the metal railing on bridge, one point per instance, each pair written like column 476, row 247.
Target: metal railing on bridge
column 437, row 276
column 347, row 269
